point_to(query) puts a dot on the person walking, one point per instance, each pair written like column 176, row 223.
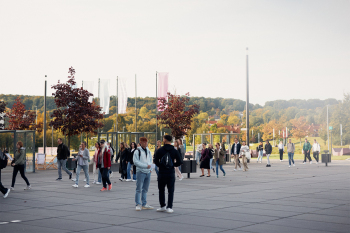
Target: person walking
column 205, row 160
column 83, row 163
column 104, row 164
column 18, row 165
column 62, row 154
column 182, row 150
column 131, row 162
column 198, row 153
column 143, row 162
column 177, row 170
column 122, row 156
column 159, row 145
column 212, row 151
column 316, row 150
column 4, row 160
column 166, row 158
column 281, row 150
column 95, row 171
column 235, row 150
column 306, row 149
column 290, row 151
column 219, row 156
column 268, row 151
column 244, row 150
column 260, row 150
column 111, row 150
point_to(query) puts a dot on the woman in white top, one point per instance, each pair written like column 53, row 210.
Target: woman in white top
column 281, row 150
column 95, row 171
column 244, row 149
column 177, row 170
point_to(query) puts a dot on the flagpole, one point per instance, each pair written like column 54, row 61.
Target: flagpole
column 117, row 105
column 99, row 104
column 135, row 105
column 156, row 108
column 247, row 108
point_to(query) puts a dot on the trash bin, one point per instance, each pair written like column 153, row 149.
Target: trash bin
column 71, row 165
column 189, row 166
column 326, row 157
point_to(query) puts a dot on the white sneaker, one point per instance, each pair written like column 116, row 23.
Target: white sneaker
column 310, row 162
column 28, row 187
column 12, row 188
column 316, row 162
column 120, row 179
column 303, row 162
column 98, row 183
column 85, row 180
column 94, row 182
column 289, row 166
column 169, row 210
column 111, row 175
column 240, row 169
column 293, row 165
column 138, row 208
column 128, row 180
column 234, row 170
column 75, row 186
column 133, row 180
column 7, row 193
column 181, row 178
column 74, row 180
column 147, row 207
column 280, row 160
column 162, row 209
column 86, row 186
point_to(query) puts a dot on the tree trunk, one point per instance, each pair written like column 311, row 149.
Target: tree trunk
column 68, row 142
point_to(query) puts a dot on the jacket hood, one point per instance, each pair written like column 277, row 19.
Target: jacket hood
column 168, row 147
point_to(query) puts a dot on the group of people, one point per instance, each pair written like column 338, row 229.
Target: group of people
column 206, row 156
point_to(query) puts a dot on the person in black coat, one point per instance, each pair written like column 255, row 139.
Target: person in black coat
column 268, row 151
column 205, row 160
column 122, row 156
column 130, row 162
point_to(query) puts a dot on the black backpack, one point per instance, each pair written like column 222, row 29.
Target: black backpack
column 167, row 161
column 3, row 160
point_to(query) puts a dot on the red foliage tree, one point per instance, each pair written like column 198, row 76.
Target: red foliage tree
column 2, row 114
column 177, row 115
column 74, row 114
column 19, row 117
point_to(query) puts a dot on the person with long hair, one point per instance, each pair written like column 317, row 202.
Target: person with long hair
column 281, row 150
column 130, row 163
column 177, row 170
column 205, row 160
column 104, row 164
column 182, row 150
column 18, row 165
column 96, row 172
column 244, row 149
column 219, row 156
column 260, row 150
column 122, row 156
column 158, row 146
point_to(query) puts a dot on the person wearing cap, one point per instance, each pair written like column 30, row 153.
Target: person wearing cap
column 143, row 162
column 104, row 164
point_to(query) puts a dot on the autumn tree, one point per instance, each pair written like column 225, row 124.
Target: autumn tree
column 2, row 114
column 74, row 114
column 177, row 114
column 299, row 128
column 267, row 130
column 19, row 117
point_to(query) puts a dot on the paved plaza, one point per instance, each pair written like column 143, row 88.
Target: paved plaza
column 306, row 198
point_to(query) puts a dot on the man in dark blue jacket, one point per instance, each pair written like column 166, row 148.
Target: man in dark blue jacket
column 236, row 148
column 166, row 174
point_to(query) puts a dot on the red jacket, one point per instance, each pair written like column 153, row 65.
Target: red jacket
column 106, row 158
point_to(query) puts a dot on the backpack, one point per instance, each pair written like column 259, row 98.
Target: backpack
column 167, row 161
column 3, row 160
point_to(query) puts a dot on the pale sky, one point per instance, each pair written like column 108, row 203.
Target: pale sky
column 297, row 49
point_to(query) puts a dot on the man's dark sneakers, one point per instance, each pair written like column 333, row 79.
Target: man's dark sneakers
column 59, row 179
column 70, row 176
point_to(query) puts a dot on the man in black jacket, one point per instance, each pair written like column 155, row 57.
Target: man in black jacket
column 166, row 176
column 62, row 155
column 268, row 151
column 235, row 150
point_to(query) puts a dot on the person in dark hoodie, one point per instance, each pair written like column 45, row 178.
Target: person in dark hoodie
column 123, row 166
column 62, row 155
column 166, row 158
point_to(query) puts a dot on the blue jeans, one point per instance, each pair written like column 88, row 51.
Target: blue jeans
column 86, row 171
column 260, row 155
column 128, row 176
column 211, row 164
column 290, row 157
column 217, row 168
column 99, row 176
column 156, row 169
column 142, row 184
column 61, row 165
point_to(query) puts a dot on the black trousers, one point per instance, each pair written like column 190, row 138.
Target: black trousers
column 169, row 181
column 307, row 155
column 281, row 154
column 316, row 154
column 19, row 168
column 2, row 188
column 105, row 178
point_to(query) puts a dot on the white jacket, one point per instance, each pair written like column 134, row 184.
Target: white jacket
column 142, row 162
column 280, row 146
column 316, row 147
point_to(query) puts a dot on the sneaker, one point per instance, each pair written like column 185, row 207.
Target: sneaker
column 168, row 210
column 181, row 178
column 213, row 170
column 289, row 166
column 293, row 165
column 111, row 175
column 128, row 180
column 162, row 209
column 7, row 193
column 86, row 186
column 316, row 162
column 280, row 160
column 217, row 176
column 147, row 207
column 70, row 176
column 12, row 188
column 75, row 186
column 94, row 182
column 85, row 180
column 310, row 162
column 138, row 208
column 110, row 187
column 59, row 179
column 133, row 180
column 103, row 189
column 240, row 169
column 303, row 162
column 120, row 179
column 224, row 173
column 234, row 170
column 28, row 187
column 74, row 180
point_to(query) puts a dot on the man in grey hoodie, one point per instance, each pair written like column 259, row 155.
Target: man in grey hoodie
column 83, row 163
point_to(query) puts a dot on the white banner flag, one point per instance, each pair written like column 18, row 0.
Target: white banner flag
column 162, row 86
column 122, row 97
column 89, row 86
column 104, row 96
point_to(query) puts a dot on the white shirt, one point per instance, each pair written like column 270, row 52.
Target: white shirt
column 199, row 148
column 280, row 146
column 235, row 149
column 316, row 147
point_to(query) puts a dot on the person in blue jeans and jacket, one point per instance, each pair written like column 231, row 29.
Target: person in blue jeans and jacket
column 143, row 162
column 219, row 156
column 130, row 163
column 290, row 151
column 83, row 163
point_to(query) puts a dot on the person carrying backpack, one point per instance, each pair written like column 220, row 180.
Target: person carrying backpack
column 3, row 164
column 166, row 158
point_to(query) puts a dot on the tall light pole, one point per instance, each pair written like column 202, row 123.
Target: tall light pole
column 247, row 102
column 327, row 130
column 44, row 138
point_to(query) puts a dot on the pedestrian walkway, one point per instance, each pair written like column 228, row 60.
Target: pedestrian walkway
column 306, row 198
